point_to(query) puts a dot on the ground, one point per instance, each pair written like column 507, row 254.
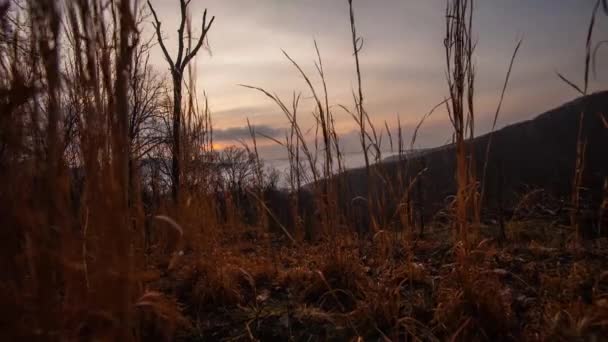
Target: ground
column 256, row 286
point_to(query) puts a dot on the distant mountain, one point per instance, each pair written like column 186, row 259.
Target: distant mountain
column 415, row 153
column 533, row 154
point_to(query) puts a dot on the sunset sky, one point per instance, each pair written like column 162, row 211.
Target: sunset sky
column 403, row 59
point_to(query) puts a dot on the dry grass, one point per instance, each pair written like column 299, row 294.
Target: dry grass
column 97, row 244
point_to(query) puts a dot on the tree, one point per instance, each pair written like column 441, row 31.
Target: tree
column 146, row 122
column 177, row 68
column 146, row 90
column 238, row 167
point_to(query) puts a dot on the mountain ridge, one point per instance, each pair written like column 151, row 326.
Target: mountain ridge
column 539, row 153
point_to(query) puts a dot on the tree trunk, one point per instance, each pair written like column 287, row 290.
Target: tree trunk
column 177, row 119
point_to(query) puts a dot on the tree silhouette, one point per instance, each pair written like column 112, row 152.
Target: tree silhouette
column 177, row 67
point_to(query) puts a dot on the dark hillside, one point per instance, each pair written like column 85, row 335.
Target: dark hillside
column 534, row 154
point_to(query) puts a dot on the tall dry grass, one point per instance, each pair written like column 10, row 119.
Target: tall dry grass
column 459, row 48
column 80, row 247
column 581, row 147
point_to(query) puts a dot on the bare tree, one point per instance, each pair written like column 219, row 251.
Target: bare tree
column 146, row 127
column 238, row 166
column 146, row 90
column 177, row 67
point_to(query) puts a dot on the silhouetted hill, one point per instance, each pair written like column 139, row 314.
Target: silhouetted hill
column 538, row 153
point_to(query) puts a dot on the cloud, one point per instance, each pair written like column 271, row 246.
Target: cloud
column 242, row 133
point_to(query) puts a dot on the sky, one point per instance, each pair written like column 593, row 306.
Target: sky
column 402, row 60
